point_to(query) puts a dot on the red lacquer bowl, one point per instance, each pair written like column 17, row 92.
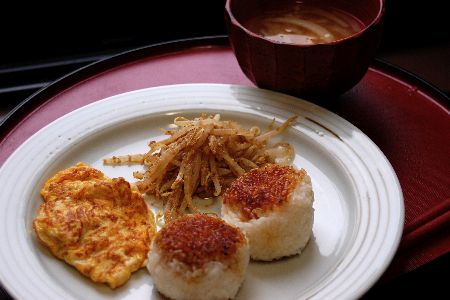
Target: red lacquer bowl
column 305, row 70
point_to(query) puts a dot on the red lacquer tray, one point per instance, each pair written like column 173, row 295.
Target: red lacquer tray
column 407, row 118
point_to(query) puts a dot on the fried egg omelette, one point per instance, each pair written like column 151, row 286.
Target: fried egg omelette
column 101, row 226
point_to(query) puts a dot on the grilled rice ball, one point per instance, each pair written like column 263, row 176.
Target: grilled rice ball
column 198, row 257
column 273, row 206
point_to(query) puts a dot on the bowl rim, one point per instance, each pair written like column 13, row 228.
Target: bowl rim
column 374, row 22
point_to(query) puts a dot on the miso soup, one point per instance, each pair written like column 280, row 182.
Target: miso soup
column 305, row 24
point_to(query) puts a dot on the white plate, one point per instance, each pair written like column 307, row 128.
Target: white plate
column 358, row 201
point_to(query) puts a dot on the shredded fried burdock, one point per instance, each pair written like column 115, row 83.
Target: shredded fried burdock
column 202, row 157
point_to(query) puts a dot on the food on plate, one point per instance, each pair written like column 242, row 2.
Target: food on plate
column 273, row 206
column 201, row 157
column 198, row 257
column 101, row 226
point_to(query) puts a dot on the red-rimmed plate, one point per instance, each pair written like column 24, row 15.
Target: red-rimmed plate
column 405, row 117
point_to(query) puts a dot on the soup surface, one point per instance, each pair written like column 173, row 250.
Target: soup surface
column 304, row 24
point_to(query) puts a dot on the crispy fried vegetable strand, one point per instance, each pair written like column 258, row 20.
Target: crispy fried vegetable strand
column 201, row 158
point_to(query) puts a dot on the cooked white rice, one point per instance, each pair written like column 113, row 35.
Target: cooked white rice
column 283, row 231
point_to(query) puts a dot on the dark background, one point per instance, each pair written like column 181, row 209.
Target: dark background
column 41, row 42
column 416, row 34
column 30, row 32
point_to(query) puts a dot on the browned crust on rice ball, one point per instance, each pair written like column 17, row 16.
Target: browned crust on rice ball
column 261, row 190
column 197, row 239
